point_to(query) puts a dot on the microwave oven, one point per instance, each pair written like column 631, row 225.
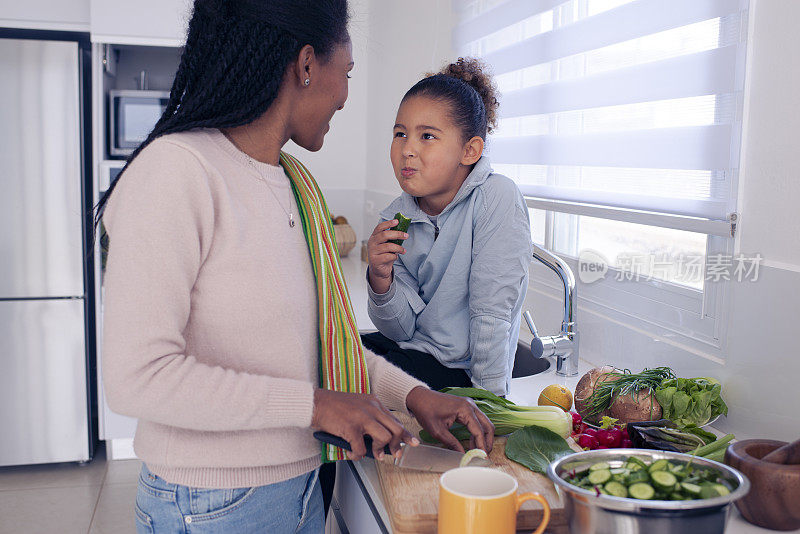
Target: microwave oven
column 132, row 115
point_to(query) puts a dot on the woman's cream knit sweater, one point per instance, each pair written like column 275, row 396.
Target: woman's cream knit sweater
column 210, row 334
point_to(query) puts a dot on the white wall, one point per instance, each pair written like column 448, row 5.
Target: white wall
column 770, row 188
column 761, row 353
column 406, row 40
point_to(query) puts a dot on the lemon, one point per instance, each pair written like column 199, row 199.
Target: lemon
column 556, row 395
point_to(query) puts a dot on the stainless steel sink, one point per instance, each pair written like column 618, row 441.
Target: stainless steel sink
column 525, row 364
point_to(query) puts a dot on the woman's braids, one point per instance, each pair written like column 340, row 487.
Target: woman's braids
column 234, row 59
column 469, row 91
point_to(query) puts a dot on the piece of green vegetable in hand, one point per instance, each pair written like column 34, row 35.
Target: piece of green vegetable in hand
column 535, row 447
column 690, row 401
column 403, row 223
column 507, row 416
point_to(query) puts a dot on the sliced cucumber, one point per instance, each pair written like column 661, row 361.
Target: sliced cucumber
column 638, row 476
column 664, row 479
column 600, row 476
column 722, row 490
column 658, row 465
column 708, row 492
column 403, row 223
column 640, row 490
column 661, row 480
column 692, row 489
column 616, row 489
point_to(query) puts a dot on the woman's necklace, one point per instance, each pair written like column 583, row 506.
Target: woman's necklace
column 264, row 180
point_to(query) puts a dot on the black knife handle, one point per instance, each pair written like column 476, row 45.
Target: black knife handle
column 339, row 442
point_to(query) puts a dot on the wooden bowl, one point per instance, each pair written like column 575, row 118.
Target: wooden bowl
column 775, row 488
column 345, row 238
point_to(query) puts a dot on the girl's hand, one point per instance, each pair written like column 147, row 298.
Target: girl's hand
column 352, row 415
column 382, row 255
column 436, row 412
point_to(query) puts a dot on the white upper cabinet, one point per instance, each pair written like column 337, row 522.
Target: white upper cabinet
column 65, row 15
column 140, row 22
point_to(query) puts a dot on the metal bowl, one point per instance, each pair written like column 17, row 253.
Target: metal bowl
column 590, row 513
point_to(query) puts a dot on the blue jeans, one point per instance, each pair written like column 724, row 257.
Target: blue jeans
column 289, row 507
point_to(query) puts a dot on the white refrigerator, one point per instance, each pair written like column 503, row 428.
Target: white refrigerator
column 46, row 337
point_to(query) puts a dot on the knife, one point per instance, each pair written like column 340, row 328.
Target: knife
column 420, row 457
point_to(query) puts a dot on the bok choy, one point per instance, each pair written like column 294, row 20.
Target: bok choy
column 507, row 416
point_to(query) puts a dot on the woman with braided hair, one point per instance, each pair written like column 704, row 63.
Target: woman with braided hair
column 228, row 331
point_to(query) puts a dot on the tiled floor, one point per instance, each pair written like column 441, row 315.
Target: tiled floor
column 68, row 498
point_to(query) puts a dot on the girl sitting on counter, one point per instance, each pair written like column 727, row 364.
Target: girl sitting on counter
column 447, row 301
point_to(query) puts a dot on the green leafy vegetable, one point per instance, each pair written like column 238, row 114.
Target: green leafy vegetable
column 535, row 447
column 713, row 449
column 507, row 416
column 690, row 401
column 663, row 435
column 607, row 422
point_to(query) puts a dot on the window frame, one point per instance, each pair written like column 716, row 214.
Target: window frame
column 692, row 317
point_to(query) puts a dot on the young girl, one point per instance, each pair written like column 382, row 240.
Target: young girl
column 447, row 301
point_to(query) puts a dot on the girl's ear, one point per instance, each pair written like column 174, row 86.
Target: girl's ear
column 473, row 150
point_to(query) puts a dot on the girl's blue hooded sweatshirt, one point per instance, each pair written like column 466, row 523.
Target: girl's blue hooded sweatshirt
column 457, row 292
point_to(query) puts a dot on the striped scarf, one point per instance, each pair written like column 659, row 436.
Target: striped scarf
column 342, row 364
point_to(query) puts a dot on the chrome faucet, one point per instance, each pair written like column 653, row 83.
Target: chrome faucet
column 563, row 346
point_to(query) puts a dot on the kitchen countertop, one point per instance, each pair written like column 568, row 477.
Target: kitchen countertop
column 524, row 390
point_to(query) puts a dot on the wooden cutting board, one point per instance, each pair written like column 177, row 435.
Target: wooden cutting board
column 411, row 497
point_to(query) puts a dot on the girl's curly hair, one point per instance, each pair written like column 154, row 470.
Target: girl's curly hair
column 470, row 91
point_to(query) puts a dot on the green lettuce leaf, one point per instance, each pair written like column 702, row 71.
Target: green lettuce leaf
column 664, row 397
column 690, row 401
column 535, row 447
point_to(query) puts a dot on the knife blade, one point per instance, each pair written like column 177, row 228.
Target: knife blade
column 420, row 457
column 434, row 459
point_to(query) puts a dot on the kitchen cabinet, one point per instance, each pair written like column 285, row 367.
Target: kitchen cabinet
column 353, row 508
column 65, row 15
column 144, row 22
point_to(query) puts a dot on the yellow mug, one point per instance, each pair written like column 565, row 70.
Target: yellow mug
column 481, row 500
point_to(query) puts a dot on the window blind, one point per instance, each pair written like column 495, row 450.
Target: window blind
column 619, row 105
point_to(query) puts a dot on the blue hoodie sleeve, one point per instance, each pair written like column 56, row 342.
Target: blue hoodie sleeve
column 501, row 255
column 394, row 313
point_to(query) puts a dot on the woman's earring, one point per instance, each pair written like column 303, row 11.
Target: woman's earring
column 308, row 81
